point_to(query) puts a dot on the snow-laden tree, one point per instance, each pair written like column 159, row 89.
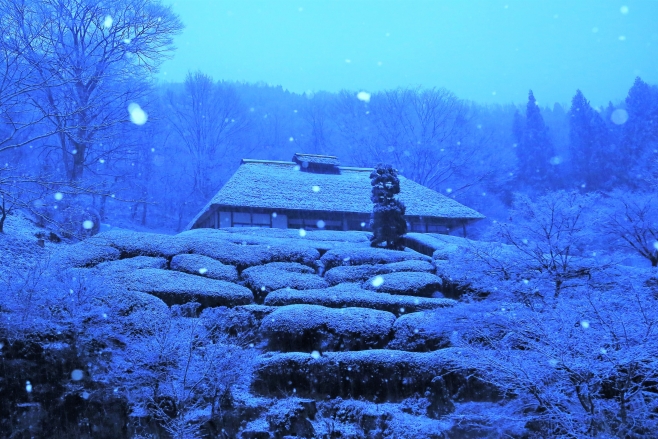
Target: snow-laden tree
column 551, row 233
column 631, row 219
column 640, row 134
column 84, row 62
column 590, row 147
column 534, row 149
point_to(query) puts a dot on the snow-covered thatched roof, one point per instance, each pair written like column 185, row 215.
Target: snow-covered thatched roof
column 282, row 185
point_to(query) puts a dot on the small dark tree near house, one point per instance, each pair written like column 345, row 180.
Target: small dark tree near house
column 387, row 220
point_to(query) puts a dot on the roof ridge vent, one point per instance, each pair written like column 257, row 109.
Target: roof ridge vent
column 323, row 164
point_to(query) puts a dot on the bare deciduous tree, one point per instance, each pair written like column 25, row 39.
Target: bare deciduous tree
column 207, row 117
column 83, row 62
column 428, row 134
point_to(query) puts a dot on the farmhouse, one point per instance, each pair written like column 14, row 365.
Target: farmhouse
column 314, row 191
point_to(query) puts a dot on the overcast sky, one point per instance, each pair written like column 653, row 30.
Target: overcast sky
column 489, row 51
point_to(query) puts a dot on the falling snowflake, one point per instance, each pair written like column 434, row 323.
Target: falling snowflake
column 584, row 324
column 315, row 354
column 316, row 188
column 137, row 115
column 273, row 214
column 363, row 96
column 107, row 23
column 77, row 375
column 59, row 196
column 555, row 160
column 624, row 10
column 87, row 224
column 619, row 116
column 320, row 224
column 203, row 270
column 302, row 232
column 655, row 245
column 28, row 387
column 363, row 224
column 377, row 281
column 291, row 139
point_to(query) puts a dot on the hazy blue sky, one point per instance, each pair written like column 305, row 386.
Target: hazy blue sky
column 488, row 51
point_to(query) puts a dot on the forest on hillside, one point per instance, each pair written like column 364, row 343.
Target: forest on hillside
column 84, row 126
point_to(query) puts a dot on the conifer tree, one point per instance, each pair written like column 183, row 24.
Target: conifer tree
column 534, row 147
column 387, row 220
column 640, row 133
column 589, row 146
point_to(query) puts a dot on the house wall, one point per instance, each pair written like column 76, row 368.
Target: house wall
column 242, row 217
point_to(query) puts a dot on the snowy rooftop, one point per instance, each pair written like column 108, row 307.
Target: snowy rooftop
column 281, row 185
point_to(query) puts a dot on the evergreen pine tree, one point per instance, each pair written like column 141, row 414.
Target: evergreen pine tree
column 640, row 133
column 387, row 220
column 534, row 147
column 589, row 146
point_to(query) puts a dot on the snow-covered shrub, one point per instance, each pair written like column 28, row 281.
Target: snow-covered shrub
column 131, row 243
column 379, row 374
column 215, row 244
column 176, row 288
column 432, row 330
column 84, row 254
column 550, row 235
column 479, row 270
column 352, row 295
column 360, row 273
column 291, row 416
column 405, row 283
column 242, row 322
column 309, row 328
column 130, row 264
column 180, row 374
column 361, row 256
column 269, row 277
column 204, row 266
column 586, row 366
